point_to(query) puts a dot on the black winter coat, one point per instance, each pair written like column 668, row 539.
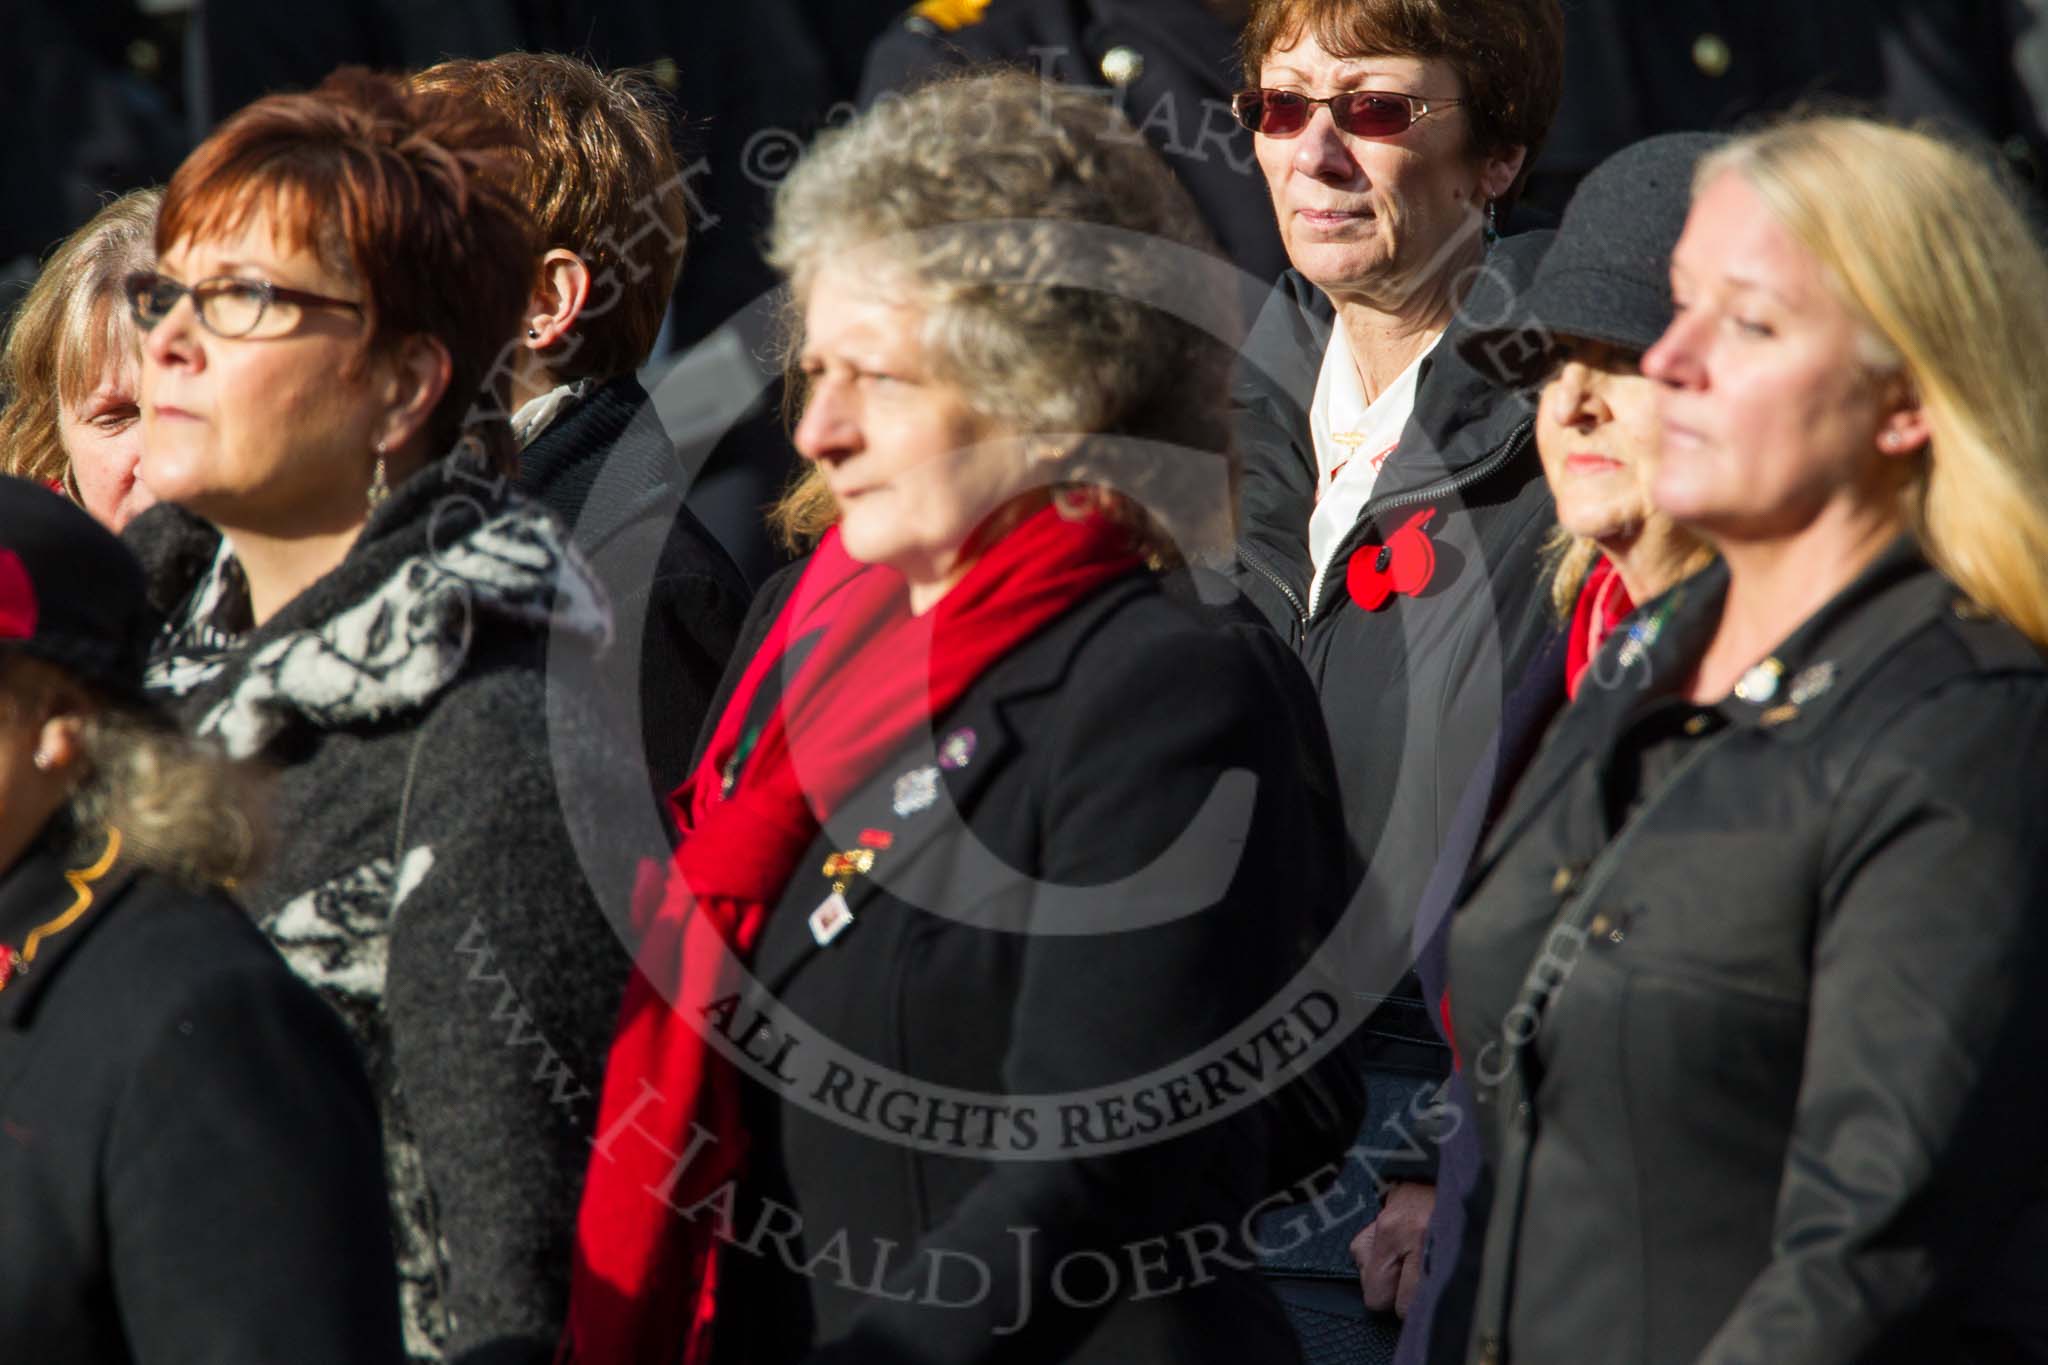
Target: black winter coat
column 1751, row 997
column 1411, row 691
column 189, row 1164
column 606, row 468
column 449, row 814
column 1062, row 796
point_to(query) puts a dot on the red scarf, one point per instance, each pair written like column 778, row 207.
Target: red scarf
column 1603, row 604
column 643, row 1291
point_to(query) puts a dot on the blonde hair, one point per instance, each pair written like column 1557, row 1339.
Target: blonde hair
column 181, row 807
column 71, row 323
column 1925, row 243
column 804, row 512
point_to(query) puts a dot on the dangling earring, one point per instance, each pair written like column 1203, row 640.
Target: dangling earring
column 380, row 488
column 1489, row 232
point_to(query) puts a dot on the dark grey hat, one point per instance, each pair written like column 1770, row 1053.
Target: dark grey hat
column 1608, row 275
column 69, row 592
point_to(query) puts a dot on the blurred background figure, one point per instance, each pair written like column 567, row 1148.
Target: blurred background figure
column 1015, row 394
column 70, row 371
column 191, row 1144
column 612, row 215
column 1978, row 67
column 1167, row 65
column 96, row 107
column 355, row 597
column 1774, row 879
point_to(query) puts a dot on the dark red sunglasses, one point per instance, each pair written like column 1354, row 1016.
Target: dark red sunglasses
column 1361, row 113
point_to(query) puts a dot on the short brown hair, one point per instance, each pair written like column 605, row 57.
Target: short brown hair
column 406, row 194
column 601, row 180
column 1508, row 53
column 72, row 322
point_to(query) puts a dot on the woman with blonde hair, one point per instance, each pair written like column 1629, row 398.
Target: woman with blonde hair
column 69, row 373
column 1747, row 975
column 191, row 1140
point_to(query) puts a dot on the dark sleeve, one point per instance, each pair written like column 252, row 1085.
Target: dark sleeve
column 903, row 58
column 1920, row 1118
column 245, row 1184
column 504, row 984
column 1124, row 780
column 693, row 622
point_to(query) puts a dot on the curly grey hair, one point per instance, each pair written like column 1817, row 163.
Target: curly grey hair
column 1061, row 270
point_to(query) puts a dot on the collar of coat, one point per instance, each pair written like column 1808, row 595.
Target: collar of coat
column 1814, row 668
column 1816, row 671
column 1460, row 416
column 452, row 553
column 56, row 893
column 604, row 462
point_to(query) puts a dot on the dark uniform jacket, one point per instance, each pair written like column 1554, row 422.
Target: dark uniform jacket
column 189, row 1166
column 1751, row 996
column 1636, row 70
column 1169, row 65
column 1067, row 796
column 1411, row 690
column 606, row 468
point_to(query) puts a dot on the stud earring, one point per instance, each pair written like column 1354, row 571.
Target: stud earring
column 45, row 760
column 533, row 334
column 380, row 487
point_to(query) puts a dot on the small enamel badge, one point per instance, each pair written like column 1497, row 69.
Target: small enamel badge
column 1760, row 684
column 916, row 790
column 1809, row 683
column 957, row 749
column 830, row 919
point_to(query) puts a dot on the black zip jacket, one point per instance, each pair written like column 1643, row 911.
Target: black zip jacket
column 1411, row 691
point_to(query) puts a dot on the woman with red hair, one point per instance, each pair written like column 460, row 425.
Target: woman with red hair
column 355, row 597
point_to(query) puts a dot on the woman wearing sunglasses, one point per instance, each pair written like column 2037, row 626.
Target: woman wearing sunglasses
column 355, row 599
column 1748, row 981
column 1393, row 505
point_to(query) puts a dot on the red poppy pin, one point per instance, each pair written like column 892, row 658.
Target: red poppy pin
column 17, row 599
column 1403, row 565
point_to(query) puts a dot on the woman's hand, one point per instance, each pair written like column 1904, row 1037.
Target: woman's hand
column 1388, row 1250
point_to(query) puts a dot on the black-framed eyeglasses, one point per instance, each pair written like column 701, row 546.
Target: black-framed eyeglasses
column 228, row 305
column 1361, row 113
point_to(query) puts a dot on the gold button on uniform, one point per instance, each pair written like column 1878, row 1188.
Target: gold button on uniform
column 1710, row 53
column 1697, row 726
column 1561, row 880
column 1122, row 65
